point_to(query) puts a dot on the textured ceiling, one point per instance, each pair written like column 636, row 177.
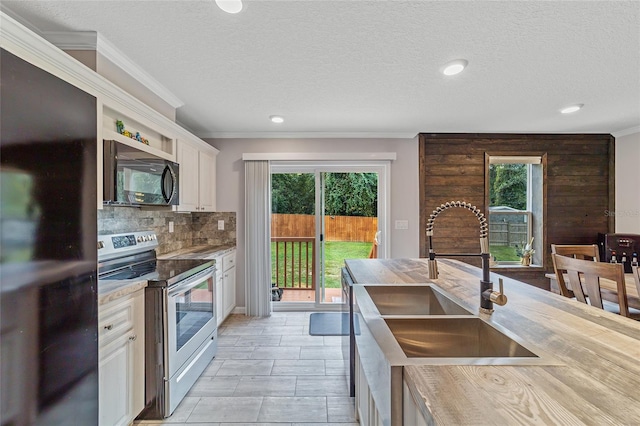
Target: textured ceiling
column 371, row 68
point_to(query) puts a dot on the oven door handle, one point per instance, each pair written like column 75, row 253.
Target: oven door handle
column 192, row 281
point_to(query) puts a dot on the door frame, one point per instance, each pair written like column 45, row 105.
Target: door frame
column 382, row 168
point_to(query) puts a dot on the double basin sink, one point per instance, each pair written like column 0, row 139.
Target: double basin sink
column 428, row 323
column 422, row 325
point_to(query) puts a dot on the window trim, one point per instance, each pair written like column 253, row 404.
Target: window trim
column 540, row 235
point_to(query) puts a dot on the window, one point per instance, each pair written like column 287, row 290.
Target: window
column 515, row 209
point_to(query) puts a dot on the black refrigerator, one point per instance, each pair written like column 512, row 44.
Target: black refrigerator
column 48, row 254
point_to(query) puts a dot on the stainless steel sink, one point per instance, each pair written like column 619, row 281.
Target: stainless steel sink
column 453, row 338
column 412, row 300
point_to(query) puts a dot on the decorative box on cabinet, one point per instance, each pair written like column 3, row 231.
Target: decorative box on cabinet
column 121, row 359
column 197, row 177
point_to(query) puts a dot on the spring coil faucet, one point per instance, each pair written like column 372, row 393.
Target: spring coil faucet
column 487, row 296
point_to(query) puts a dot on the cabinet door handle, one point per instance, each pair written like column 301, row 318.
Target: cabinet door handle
column 108, row 327
column 133, row 338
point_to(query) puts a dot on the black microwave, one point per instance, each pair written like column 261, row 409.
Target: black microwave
column 134, row 177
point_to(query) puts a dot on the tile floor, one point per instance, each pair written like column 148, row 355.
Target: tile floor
column 269, row 371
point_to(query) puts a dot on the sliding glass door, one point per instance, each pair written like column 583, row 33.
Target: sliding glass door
column 322, row 214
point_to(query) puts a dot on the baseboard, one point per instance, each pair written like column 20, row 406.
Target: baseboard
column 239, row 310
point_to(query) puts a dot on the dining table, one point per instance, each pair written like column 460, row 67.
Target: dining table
column 608, row 289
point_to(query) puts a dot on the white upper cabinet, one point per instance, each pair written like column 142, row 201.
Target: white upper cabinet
column 197, row 177
column 207, row 181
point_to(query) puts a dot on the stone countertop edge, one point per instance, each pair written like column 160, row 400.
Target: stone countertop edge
column 109, row 291
column 199, row 252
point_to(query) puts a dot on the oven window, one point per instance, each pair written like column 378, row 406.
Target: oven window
column 194, row 308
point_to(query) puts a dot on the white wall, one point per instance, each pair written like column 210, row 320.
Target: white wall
column 628, row 184
column 404, row 184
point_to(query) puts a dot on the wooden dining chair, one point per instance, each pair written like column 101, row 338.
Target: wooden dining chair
column 577, row 251
column 635, row 270
column 588, row 273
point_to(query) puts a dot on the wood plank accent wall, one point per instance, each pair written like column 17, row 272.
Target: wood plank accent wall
column 579, row 189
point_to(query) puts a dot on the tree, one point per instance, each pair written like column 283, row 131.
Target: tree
column 509, row 187
column 346, row 194
column 351, row 194
column 293, row 193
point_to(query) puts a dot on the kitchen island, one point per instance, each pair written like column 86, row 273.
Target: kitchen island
column 593, row 378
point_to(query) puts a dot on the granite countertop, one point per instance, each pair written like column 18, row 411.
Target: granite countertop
column 596, row 380
column 199, row 252
column 110, row 290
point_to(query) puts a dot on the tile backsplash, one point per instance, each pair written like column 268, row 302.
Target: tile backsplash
column 190, row 229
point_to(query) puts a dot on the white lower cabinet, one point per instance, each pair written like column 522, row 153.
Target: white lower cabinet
column 225, row 284
column 411, row 414
column 229, row 286
column 219, row 298
column 366, row 410
column 121, row 359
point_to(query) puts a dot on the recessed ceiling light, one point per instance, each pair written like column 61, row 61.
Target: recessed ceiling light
column 455, row 67
column 276, row 119
column 572, row 108
column 230, row 6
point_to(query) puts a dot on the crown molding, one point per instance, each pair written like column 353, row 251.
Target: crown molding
column 92, row 40
column 625, row 132
column 26, row 44
column 307, row 135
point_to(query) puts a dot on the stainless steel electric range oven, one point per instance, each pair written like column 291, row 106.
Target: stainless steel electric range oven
column 180, row 315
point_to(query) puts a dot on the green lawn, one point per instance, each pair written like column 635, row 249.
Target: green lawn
column 503, row 253
column 335, row 254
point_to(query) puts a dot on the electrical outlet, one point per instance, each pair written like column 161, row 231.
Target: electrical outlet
column 221, row 225
column 170, row 226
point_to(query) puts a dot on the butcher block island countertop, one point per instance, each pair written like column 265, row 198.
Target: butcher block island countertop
column 597, row 379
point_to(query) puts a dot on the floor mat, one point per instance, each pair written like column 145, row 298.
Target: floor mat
column 331, row 324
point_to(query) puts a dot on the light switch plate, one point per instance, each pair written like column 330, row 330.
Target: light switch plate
column 402, row 224
column 170, row 226
column 221, row 225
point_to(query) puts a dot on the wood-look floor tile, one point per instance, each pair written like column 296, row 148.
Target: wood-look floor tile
column 184, row 410
column 225, row 409
column 324, row 352
column 266, row 386
column 258, row 340
column 301, row 341
column 283, row 330
column 234, row 352
column 341, row 409
column 213, row 367
column 298, row 367
column 241, row 367
column 279, row 352
column 214, row 386
column 322, row 385
column 336, row 367
column 293, row 409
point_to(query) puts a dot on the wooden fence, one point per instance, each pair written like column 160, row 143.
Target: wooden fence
column 337, row 228
column 508, row 234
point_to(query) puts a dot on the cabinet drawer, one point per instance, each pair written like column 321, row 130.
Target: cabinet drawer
column 115, row 319
column 229, row 260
